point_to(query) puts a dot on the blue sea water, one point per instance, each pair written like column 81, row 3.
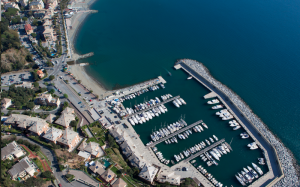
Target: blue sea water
column 253, row 47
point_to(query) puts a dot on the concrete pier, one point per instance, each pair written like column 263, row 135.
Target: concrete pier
column 158, row 104
column 205, row 150
column 210, row 95
column 174, row 134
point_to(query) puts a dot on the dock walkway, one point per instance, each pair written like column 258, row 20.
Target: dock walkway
column 205, row 150
column 175, row 133
column 158, row 104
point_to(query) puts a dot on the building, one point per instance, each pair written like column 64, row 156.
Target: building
column 40, row 73
column 98, row 168
column 126, row 149
column 65, row 119
column 53, row 134
column 119, row 183
column 166, row 176
column 51, row 4
column 11, row 150
column 50, row 118
column 148, row 173
column 36, row 5
column 39, row 14
column 136, row 162
column 68, row 110
column 47, row 99
column 22, row 121
column 47, row 24
column 24, row 85
column 24, row 3
column 69, row 139
column 28, row 29
column 92, row 147
column 5, row 103
column 108, row 175
column 11, row 5
column 38, row 128
column 49, row 35
column 22, row 169
column 85, row 155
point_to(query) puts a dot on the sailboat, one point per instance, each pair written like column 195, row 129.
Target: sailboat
column 190, row 77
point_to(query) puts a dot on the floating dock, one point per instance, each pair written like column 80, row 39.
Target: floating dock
column 158, row 104
column 204, row 150
column 175, row 133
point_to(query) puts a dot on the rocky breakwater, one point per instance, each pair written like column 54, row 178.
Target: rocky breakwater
column 288, row 162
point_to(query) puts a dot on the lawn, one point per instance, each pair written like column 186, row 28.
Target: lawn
column 41, row 155
column 38, row 163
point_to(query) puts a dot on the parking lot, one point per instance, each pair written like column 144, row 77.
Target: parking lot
column 15, row 78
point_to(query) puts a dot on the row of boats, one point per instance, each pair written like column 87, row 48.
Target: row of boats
column 163, row 132
column 224, row 114
column 209, row 176
column 160, row 156
column 234, row 124
column 215, row 153
column 247, row 175
column 178, row 102
column 188, row 152
column 145, row 105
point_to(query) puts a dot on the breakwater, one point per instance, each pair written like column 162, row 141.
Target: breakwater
column 286, row 161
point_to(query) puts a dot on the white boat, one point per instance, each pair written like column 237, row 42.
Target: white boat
column 182, row 101
column 175, row 103
column 204, row 125
column 240, row 180
column 253, row 172
column 177, row 100
column 237, row 127
column 226, row 148
column 131, row 121
column 261, row 161
column 190, row 77
column 215, row 137
column 257, row 169
column 214, row 101
column 214, row 155
column 217, row 107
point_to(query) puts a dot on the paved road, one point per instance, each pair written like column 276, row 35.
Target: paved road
column 54, row 164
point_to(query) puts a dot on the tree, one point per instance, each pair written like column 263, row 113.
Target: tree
column 51, row 91
column 66, row 104
column 73, row 123
column 30, row 105
column 67, row 81
column 66, row 96
column 33, row 34
column 24, row 18
column 47, row 174
column 34, row 181
column 45, row 71
column 97, row 96
column 91, row 91
column 79, row 81
column 18, row 104
column 36, row 84
column 51, row 77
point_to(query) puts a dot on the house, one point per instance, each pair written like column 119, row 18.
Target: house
column 5, row 103
column 108, row 175
column 119, row 183
column 65, row 119
column 53, row 134
column 85, row 155
column 51, row 4
column 38, row 128
column 92, row 147
column 50, row 118
column 98, row 168
column 47, row 99
column 28, row 29
column 22, row 121
column 11, row 150
column 40, row 73
column 36, row 5
column 49, row 35
column 69, row 139
column 24, row 3
column 167, row 176
column 11, row 5
column 136, row 162
column 22, row 168
column 39, row 14
column 47, row 24
column 148, row 173
column 68, row 110
column 24, row 85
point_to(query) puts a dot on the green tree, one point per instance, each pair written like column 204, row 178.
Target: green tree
column 66, row 104
column 47, row 174
column 34, row 181
column 73, row 123
column 51, row 91
column 36, row 84
column 66, row 96
column 33, row 34
column 79, row 81
column 35, row 22
column 51, row 77
column 67, row 81
column 24, row 18
column 30, row 105
column 91, row 91
column 18, row 104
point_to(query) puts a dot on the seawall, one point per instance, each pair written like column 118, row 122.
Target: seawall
column 282, row 172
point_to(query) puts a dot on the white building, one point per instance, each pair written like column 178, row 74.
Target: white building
column 11, row 5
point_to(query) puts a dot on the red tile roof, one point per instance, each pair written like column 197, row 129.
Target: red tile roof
column 28, row 27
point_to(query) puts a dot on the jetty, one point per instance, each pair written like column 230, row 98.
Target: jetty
column 175, row 133
column 210, row 95
column 161, row 103
column 77, row 57
column 205, row 150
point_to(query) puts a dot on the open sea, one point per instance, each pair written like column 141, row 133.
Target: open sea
column 253, row 47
